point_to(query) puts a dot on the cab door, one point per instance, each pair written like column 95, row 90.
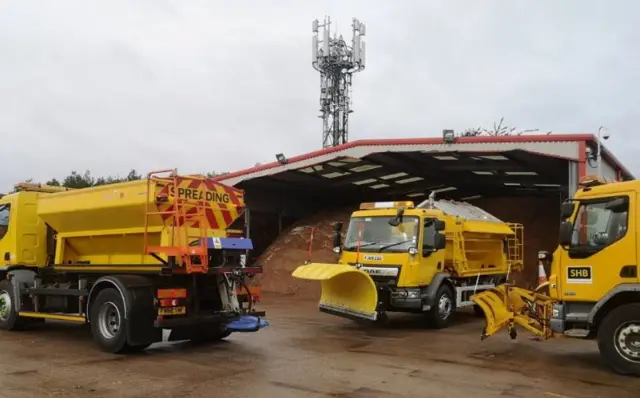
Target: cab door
column 602, row 252
column 5, row 233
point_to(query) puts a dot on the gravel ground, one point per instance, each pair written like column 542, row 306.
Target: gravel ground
column 308, row 354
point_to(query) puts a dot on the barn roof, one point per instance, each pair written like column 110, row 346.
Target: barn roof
column 413, row 166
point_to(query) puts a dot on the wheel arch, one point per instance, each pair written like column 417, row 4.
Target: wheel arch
column 438, row 280
column 620, row 295
column 124, row 284
column 17, row 275
column 139, row 307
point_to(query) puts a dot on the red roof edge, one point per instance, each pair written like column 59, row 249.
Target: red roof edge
column 433, row 141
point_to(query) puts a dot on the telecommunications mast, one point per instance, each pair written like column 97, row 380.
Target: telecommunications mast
column 337, row 62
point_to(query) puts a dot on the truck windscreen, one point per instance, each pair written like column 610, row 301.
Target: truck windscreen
column 375, row 234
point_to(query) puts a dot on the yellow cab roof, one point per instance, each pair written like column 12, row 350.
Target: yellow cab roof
column 607, row 188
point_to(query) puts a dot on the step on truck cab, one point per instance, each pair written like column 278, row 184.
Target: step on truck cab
column 130, row 259
column 426, row 259
column 593, row 289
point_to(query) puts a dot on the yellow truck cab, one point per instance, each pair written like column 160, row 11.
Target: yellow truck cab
column 428, row 259
column 593, row 287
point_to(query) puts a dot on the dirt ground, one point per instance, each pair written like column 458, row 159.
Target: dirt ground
column 308, row 354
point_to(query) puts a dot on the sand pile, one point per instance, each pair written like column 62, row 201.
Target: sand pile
column 291, row 248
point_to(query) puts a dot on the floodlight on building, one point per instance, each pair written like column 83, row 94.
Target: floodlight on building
column 448, row 136
column 281, row 158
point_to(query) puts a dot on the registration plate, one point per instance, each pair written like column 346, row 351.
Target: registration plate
column 172, row 311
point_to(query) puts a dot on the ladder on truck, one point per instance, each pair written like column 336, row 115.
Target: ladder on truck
column 183, row 216
column 515, row 247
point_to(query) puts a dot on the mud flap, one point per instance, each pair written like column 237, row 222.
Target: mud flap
column 506, row 306
column 346, row 291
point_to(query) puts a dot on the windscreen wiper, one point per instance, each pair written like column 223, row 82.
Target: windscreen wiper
column 394, row 244
column 362, row 245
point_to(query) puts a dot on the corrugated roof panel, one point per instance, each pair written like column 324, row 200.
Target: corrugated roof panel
column 379, row 186
column 394, row 175
column 365, row 167
column 367, row 181
column 409, row 180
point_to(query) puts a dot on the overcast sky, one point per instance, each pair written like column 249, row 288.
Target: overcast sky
column 220, row 85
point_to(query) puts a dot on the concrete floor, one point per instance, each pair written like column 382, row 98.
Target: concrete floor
column 308, row 354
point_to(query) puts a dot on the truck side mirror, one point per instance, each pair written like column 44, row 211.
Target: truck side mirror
column 440, row 241
column 394, row 222
column 566, row 233
column 566, row 210
column 337, row 235
column 433, row 239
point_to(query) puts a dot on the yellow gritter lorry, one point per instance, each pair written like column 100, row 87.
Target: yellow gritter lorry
column 130, row 259
column 593, row 286
column 427, row 259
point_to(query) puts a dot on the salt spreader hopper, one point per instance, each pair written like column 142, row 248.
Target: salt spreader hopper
column 129, row 258
column 428, row 259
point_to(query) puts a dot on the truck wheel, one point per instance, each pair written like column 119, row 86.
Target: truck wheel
column 619, row 339
column 444, row 306
column 108, row 325
column 9, row 319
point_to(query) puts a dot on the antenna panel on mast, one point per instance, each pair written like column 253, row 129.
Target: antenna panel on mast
column 336, row 61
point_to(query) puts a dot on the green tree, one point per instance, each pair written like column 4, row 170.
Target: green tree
column 133, row 175
column 76, row 180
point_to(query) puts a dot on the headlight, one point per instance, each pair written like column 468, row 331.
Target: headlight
column 413, row 294
column 556, row 313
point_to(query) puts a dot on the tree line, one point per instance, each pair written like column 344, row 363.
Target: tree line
column 78, row 180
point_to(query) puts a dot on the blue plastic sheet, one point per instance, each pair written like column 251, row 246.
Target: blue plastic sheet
column 247, row 323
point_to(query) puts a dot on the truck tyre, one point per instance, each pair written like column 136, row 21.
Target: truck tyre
column 9, row 319
column 619, row 339
column 444, row 306
column 108, row 324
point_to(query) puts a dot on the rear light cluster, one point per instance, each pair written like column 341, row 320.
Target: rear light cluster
column 172, row 297
column 169, row 302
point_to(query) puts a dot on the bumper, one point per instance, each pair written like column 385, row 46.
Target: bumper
column 403, row 298
column 557, row 319
column 406, row 303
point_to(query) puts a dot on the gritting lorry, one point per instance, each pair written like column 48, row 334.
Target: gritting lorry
column 593, row 290
column 130, row 259
column 427, row 259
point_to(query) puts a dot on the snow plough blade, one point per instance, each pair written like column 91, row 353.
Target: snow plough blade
column 506, row 306
column 346, row 291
